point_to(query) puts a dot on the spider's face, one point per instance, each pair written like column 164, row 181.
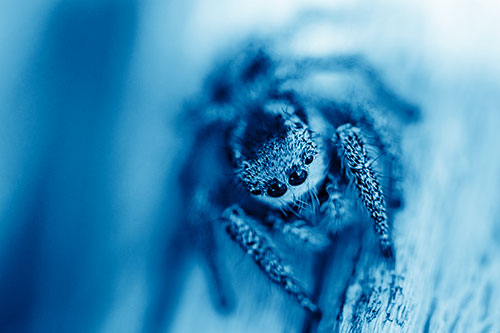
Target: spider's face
column 285, row 166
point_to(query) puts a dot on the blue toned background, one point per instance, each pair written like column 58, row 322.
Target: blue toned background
column 90, row 92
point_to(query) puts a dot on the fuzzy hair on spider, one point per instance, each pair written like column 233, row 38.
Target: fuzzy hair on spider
column 280, row 164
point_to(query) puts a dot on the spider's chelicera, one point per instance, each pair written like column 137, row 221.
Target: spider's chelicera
column 270, row 155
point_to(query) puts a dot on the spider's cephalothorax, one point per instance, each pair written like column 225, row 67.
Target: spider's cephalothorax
column 292, row 162
column 277, row 157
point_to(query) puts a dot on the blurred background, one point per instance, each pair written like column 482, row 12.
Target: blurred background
column 90, row 97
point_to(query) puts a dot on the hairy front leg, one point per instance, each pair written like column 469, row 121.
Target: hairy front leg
column 353, row 153
column 238, row 226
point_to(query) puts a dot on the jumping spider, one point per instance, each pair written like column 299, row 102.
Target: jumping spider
column 272, row 157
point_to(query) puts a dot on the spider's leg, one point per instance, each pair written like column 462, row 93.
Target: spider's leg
column 222, row 293
column 238, row 226
column 204, row 209
column 355, row 63
column 352, row 150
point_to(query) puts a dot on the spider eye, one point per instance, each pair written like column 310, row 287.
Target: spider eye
column 256, row 192
column 276, row 190
column 309, row 159
column 297, row 177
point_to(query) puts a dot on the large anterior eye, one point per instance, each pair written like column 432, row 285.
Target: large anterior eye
column 297, row 177
column 276, row 189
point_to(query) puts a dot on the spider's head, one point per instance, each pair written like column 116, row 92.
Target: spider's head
column 278, row 157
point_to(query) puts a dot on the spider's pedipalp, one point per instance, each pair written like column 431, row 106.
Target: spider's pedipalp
column 358, row 167
column 238, row 227
column 335, row 208
column 299, row 232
